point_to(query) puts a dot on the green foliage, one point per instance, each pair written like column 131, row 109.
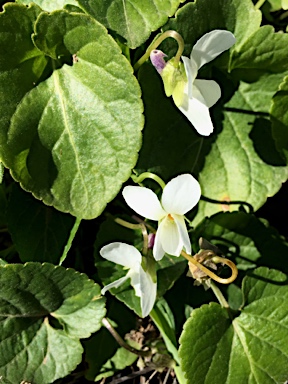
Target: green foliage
column 49, row 5
column 79, row 165
column 254, row 343
column 264, row 51
column 72, row 114
column 280, row 118
column 134, row 20
column 33, row 296
column 250, row 242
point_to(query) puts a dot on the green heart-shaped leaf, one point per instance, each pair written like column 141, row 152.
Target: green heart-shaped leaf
column 133, row 20
column 75, row 137
column 32, row 297
column 252, row 348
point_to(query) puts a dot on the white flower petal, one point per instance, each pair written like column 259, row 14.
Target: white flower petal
column 191, row 70
column 198, row 114
column 210, row 91
column 158, row 251
column 211, row 45
column 183, row 233
column 123, row 254
column 169, row 237
column 148, row 292
column 114, row 284
column 143, row 201
column 135, row 281
column 181, row 194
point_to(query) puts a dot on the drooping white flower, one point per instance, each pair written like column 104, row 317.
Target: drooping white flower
column 194, row 96
column 179, row 196
column 129, row 257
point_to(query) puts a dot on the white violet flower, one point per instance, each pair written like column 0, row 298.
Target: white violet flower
column 142, row 282
column 179, row 196
column 194, row 96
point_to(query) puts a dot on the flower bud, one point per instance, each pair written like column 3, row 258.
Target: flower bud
column 157, row 59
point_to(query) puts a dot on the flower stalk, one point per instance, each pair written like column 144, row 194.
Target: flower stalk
column 148, row 175
column 219, row 295
column 121, row 342
column 215, row 259
column 175, row 35
column 141, row 226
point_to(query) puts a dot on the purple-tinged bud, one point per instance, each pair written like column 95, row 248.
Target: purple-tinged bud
column 151, row 240
column 157, row 59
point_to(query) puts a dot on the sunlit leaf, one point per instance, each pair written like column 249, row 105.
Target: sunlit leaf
column 78, row 146
column 251, row 348
column 265, row 50
column 49, row 5
column 244, row 164
column 134, row 20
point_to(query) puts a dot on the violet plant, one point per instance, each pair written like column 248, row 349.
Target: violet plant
column 134, row 235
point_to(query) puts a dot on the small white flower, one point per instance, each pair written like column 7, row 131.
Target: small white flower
column 130, row 257
column 200, row 95
column 179, row 196
column 193, row 96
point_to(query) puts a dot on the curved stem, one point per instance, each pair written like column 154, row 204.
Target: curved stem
column 175, row 35
column 231, row 265
column 151, row 229
column 148, row 175
column 210, row 273
column 121, row 342
column 141, row 226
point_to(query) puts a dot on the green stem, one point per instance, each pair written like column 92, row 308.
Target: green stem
column 259, row 4
column 169, row 339
column 70, row 240
column 148, row 175
column 166, row 332
column 126, row 224
column 121, row 342
column 175, row 35
column 219, row 295
column 141, row 226
column 1, row 172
